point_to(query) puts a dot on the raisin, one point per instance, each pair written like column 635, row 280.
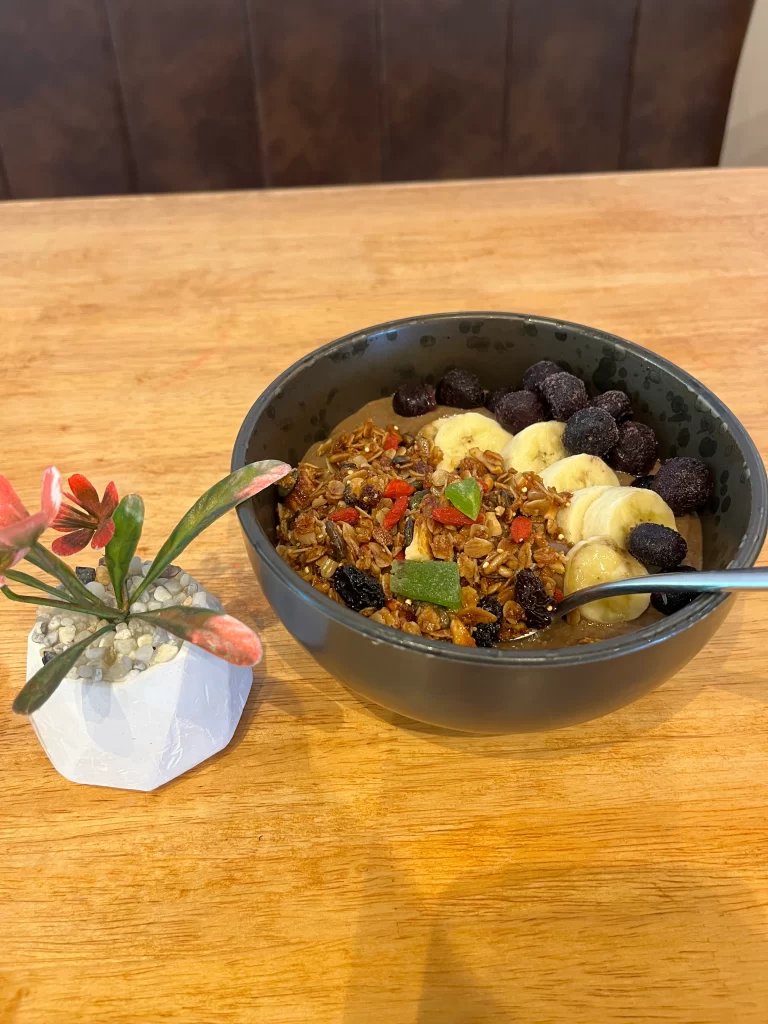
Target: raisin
column 460, row 389
column 636, row 449
column 615, row 403
column 414, row 399
column 518, row 410
column 357, row 589
column 486, row 634
column 592, row 431
column 685, row 484
column 85, row 574
column 668, row 603
column 535, row 374
column 653, row 544
column 644, row 482
column 532, row 598
column 564, row 394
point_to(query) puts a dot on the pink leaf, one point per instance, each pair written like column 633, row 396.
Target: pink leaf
column 24, row 532
column 51, row 495
column 263, row 481
column 110, row 501
column 11, row 507
column 85, row 493
column 71, row 543
column 222, row 635
column 104, row 534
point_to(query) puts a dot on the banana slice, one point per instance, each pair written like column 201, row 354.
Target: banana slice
column 617, row 511
column 571, row 518
column 419, row 550
column 456, row 435
column 601, row 560
column 535, row 447
column 577, row 472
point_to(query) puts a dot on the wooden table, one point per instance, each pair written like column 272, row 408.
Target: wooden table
column 336, row 864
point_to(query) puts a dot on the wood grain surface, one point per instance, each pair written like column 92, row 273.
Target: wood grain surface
column 337, row 865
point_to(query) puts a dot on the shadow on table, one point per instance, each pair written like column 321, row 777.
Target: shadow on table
column 609, row 941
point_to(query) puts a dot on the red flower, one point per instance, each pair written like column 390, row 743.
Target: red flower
column 91, row 521
column 18, row 529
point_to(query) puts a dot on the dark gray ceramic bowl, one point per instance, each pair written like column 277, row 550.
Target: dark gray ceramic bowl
column 473, row 689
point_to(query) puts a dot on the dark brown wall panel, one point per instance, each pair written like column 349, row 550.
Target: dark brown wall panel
column 61, row 129
column 568, row 77
column 443, row 70
column 5, row 192
column 187, row 81
column 317, row 70
column 685, row 61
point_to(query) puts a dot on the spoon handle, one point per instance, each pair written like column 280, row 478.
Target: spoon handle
column 723, row 580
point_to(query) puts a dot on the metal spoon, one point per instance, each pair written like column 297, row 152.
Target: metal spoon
column 678, row 582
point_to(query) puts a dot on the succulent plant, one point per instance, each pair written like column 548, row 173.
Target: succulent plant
column 117, row 525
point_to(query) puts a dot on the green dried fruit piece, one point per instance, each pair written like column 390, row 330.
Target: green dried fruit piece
column 466, row 496
column 434, row 582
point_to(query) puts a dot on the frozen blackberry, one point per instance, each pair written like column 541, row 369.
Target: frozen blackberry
column 535, row 374
column 615, row 403
column 667, row 603
column 653, row 544
column 564, row 394
column 461, row 389
column 636, row 449
column 486, row 634
column 85, row 573
column 685, row 484
column 645, row 482
column 519, row 410
column 590, row 430
column 532, row 598
column 357, row 589
column 494, row 396
column 414, row 399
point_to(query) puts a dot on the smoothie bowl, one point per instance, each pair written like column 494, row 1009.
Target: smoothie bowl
column 456, row 475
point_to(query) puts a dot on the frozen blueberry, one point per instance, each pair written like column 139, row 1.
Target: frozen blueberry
column 85, row 573
column 519, row 410
column 564, row 394
column 653, row 544
column 357, row 589
column 615, row 403
column 495, row 396
column 414, row 399
column 667, row 603
column 532, row 598
column 461, row 389
column 486, row 634
column 685, row 484
column 645, row 482
column 636, row 449
column 535, row 374
column 590, row 430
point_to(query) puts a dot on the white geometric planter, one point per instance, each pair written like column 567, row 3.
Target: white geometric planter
column 143, row 732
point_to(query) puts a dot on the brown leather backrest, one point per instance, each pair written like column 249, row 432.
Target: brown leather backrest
column 113, row 96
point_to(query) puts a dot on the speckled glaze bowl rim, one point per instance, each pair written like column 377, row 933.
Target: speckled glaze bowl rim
column 746, row 554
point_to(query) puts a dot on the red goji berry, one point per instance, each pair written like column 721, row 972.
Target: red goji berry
column 391, row 441
column 452, row 517
column 397, row 488
column 345, row 515
column 521, row 529
column 400, row 556
column 395, row 514
column 558, row 595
